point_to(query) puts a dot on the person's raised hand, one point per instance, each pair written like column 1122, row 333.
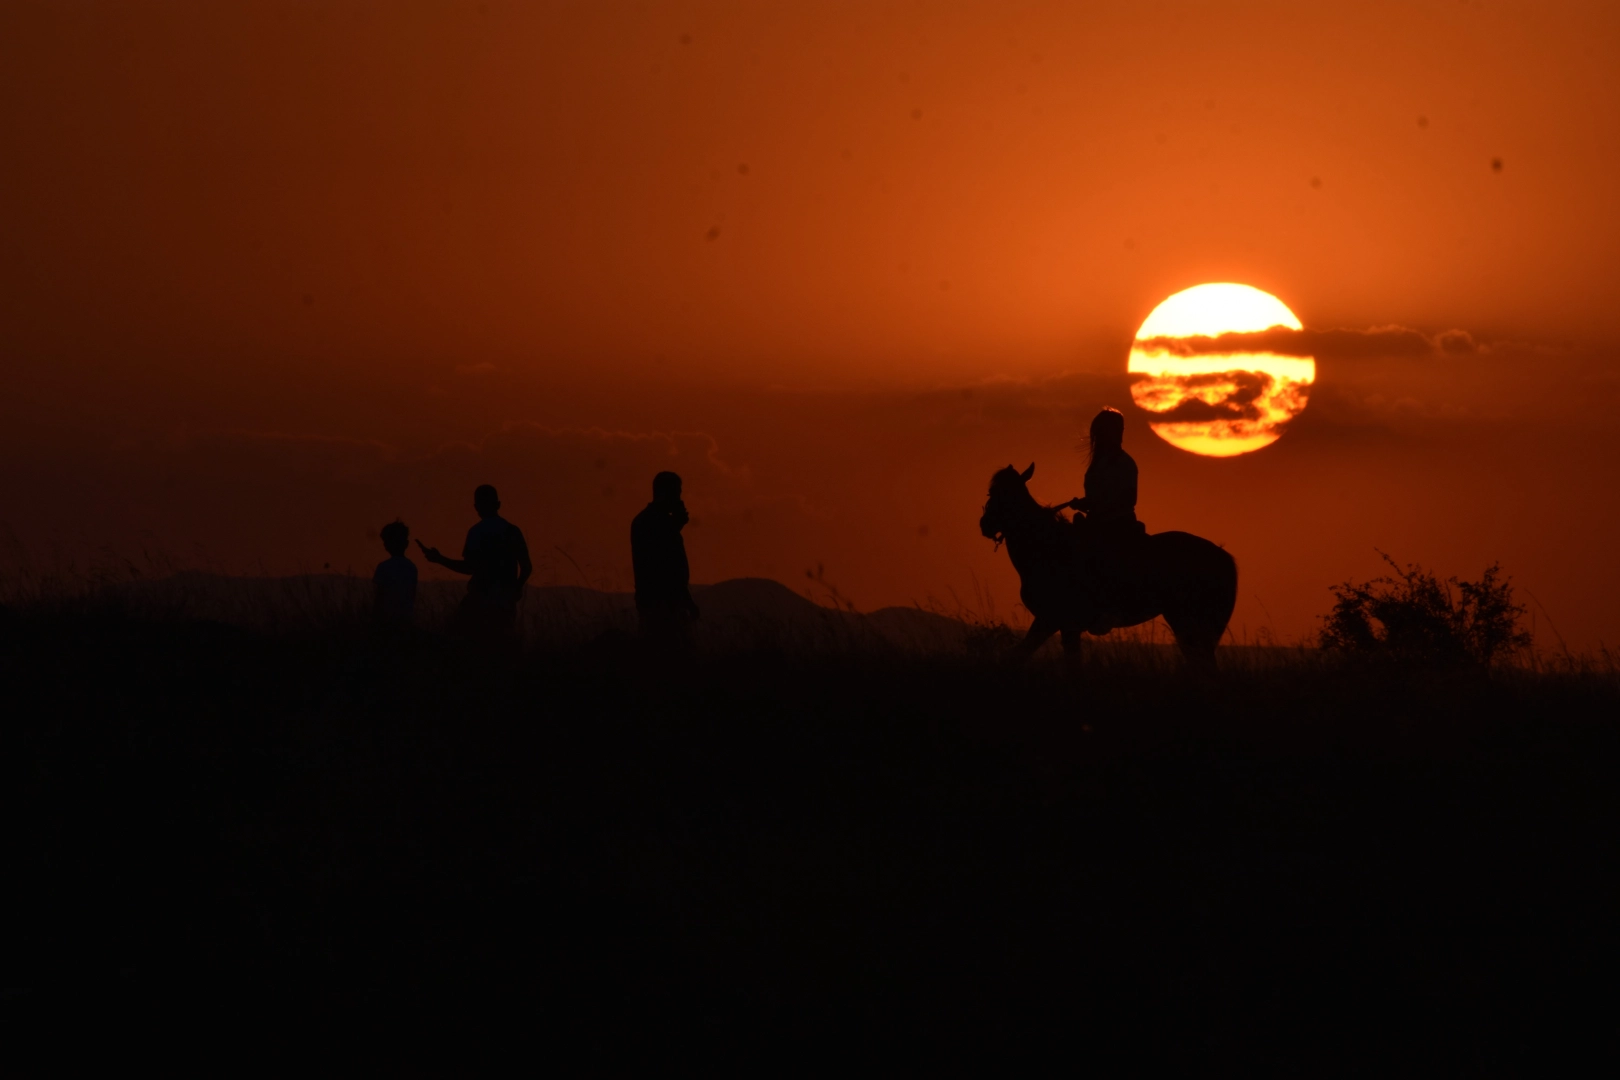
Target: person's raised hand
column 431, row 554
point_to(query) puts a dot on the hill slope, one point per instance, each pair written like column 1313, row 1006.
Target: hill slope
column 737, row 612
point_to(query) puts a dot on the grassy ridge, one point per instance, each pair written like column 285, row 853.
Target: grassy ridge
column 1304, row 860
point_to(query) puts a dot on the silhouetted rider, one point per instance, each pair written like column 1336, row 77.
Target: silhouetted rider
column 1110, row 537
column 658, row 555
column 496, row 559
column 1110, row 500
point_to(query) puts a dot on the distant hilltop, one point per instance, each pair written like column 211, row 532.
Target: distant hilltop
column 737, row 612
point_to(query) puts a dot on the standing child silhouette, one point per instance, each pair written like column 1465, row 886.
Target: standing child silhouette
column 394, row 583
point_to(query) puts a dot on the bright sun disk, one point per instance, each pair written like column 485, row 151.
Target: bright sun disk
column 1218, row 404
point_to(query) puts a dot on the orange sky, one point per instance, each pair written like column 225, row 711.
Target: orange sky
column 276, row 272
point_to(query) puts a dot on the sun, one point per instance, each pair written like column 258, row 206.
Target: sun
column 1211, row 400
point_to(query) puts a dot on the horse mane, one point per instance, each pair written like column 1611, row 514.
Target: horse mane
column 1054, row 512
column 1008, row 479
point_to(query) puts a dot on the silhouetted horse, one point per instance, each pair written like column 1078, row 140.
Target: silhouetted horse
column 1185, row 578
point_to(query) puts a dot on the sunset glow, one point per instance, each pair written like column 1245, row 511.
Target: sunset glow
column 1219, row 404
column 279, row 273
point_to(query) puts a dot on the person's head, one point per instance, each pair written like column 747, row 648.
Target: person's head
column 1107, row 432
column 667, row 487
column 485, row 501
column 396, row 535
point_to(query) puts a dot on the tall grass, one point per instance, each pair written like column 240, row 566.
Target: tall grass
column 1412, row 618
column 222, row 785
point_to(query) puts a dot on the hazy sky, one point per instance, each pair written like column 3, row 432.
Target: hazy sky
column 276, row 272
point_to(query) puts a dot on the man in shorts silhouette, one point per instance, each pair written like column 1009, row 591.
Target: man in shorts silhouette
column 496, row 560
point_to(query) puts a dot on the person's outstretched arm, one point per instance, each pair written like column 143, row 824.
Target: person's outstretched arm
column 432, row 555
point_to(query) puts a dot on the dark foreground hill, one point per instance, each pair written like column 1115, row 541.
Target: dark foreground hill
column 1300, row 864
column 742, row 612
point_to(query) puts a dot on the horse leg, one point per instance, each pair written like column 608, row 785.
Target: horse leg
column 1039, row 631
column 1196, row 642
column 1071, row 648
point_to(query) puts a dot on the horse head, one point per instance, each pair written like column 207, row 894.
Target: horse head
column 1009, row 495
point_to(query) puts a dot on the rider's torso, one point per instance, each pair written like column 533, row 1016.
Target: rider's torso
column 1111, row 488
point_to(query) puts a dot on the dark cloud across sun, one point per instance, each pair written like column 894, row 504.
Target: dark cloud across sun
column 1241, row 392
column 1336, row 344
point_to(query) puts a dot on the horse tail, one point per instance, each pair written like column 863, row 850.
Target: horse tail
column 1220, row 600
column 1225, row 591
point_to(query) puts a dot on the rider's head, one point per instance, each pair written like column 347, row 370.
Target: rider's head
column 667, row 487
column 485, row 501
column 1107, row 431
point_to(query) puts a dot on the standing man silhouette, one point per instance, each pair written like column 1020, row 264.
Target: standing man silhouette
column 658, row 555
column 496, row 560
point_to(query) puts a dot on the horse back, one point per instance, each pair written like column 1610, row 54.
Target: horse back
column 1202, row 571
column 1184, row 542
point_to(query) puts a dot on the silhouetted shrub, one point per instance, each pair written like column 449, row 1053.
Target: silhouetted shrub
column 1416, row 616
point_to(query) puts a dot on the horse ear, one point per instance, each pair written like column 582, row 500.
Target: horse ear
column 1027, row 473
